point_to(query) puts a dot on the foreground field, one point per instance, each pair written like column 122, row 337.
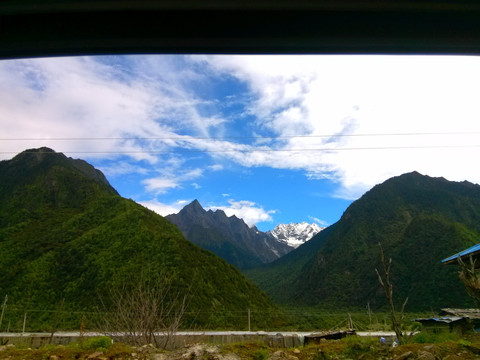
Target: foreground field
column 441, row 347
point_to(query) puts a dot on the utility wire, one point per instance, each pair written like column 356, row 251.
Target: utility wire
column 126, row 152
column 188, row 137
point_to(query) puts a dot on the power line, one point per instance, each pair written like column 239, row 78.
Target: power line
column 188, row 137
column 372, row 148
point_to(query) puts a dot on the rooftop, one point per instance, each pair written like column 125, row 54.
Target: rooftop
column 468, row 313
column 474, row 250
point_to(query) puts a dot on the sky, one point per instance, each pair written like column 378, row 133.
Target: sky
column 270, row 139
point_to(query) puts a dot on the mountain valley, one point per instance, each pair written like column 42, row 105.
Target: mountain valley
column 66, row 235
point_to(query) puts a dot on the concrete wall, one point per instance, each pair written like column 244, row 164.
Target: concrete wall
column 278, row 340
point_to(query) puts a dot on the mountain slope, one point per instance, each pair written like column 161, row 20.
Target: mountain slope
column 228, row 237
column 66, row 234
column 418, row 219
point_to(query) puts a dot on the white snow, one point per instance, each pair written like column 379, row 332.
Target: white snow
column 295, row 234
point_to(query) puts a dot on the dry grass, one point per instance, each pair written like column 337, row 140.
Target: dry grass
column 351, row 348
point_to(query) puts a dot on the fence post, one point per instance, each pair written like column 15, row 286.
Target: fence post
column 24, row 322
column 3, row 309
column 249, row 320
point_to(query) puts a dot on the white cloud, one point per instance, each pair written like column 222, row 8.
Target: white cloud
column 77, row 99
column 123, row 168
column 171, row 178
column 72, row 98
column 249, row 211
column 319, row 221
column 196, row 186
column 216, row 167
column 162, row 208
column 160, row 185
column 332, row 102
column 337, row 101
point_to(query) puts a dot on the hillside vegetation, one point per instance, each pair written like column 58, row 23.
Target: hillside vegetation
column 419, row 221
column 67, row 236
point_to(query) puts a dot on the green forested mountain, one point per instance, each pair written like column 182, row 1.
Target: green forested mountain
column 419, row 220
column 65, row 234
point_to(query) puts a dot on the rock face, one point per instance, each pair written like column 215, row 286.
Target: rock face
column 295, row 234
column 228, row 237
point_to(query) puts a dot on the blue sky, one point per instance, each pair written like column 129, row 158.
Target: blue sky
column 271, row 139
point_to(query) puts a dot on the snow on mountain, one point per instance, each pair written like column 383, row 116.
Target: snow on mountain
column 295, row 234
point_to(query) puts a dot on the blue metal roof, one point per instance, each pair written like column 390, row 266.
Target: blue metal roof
column 469, row 251
column 446, row 319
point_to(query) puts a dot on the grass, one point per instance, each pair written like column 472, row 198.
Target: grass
column 425, row 337
column 353, row 347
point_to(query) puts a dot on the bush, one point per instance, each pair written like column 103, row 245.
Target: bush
column 101, row 343
column 464, row 342
column 261, row 354
column 356, row 346
column 427, row 337
column 416, row 326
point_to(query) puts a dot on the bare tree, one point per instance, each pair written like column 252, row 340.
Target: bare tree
column 149, row 312
column 384, row 280
column 56, row 319
column 470, row 277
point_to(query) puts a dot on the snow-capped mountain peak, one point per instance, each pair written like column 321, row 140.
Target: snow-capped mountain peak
column 295, row 234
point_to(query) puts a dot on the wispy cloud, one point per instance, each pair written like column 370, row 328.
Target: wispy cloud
column 160, row 185
column 249, row 211
column 216, row 167
column 98, row 107
column 319, row 221
column 163, row 208
column 341, row 105
column 123, row 168
column 171, row 179
column 196, row 186
column 356, row 120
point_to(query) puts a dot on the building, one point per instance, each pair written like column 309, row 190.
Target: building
column 455, row 324
column 473, row 251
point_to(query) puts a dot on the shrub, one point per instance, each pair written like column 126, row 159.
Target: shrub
column 416, row 326
column 261, row 354
column 101, row 343
column 464, row 342
column 425, row 337
column 96, row 343
column 356, row 346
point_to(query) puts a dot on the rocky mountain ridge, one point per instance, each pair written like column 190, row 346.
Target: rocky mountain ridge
column 228, row 237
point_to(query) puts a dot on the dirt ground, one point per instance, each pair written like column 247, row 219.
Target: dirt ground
column 349, row 348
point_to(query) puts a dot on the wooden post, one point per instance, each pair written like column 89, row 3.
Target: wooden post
column 3, row 309
column 24, row 322
column 225, row 317
column 369, row 311
column 249, row 320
